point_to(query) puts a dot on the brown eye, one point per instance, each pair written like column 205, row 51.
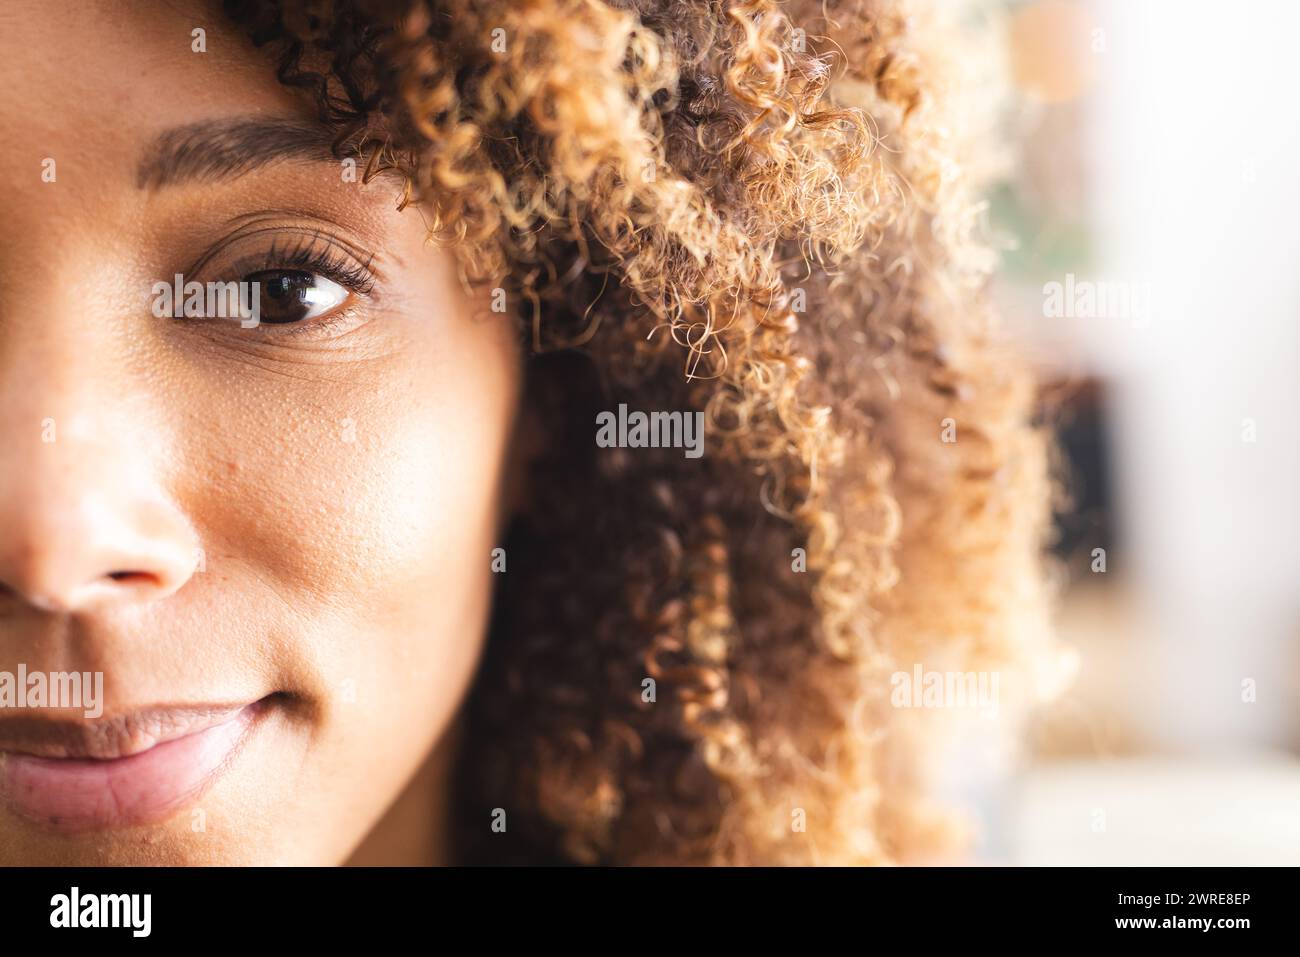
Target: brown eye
column 293, row 295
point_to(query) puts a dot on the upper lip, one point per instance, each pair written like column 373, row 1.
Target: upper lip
column 110, row 738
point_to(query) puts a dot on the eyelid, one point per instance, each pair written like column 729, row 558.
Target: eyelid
column 302, row 238
column 305, row 253
column 322, row 327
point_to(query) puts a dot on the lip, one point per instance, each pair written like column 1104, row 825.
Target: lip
column 127, row 771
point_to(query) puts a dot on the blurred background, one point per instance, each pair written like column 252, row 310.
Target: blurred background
column 1151, row 261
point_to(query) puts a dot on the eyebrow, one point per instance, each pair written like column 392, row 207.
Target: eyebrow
column 223, row 149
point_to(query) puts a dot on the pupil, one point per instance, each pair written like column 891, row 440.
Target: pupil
column 286, row 285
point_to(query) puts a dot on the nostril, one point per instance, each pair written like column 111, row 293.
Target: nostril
column 132, row 577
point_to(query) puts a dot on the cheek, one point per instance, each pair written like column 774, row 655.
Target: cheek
column 368, row 505
column 421, row 525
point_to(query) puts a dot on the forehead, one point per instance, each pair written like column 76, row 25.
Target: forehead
column 89, row 83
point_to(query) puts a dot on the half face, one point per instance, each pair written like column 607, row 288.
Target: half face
column 270, row 538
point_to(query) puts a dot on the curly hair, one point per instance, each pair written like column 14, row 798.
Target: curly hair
column 766, row 212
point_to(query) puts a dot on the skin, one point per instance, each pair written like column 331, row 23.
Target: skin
column 344, row 485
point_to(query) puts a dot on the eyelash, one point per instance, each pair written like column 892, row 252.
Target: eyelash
column 308, row 255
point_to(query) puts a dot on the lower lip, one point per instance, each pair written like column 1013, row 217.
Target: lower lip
column 144, row 788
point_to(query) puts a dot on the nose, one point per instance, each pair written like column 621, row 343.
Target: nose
column 84, row 518
column 73, row 545
column 81, row 527
column 89, row 433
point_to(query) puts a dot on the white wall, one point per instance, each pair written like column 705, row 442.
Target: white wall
column 1196, row 140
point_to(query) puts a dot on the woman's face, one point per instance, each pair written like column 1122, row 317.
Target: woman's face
column 273, row 541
